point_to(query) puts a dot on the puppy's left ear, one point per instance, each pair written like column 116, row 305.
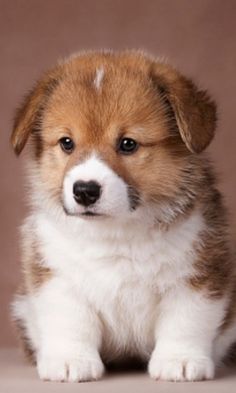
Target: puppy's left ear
column 195, row 112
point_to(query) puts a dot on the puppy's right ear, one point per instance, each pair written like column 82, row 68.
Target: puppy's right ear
column 28, row 117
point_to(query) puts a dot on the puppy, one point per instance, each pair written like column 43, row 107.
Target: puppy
column 125, row 251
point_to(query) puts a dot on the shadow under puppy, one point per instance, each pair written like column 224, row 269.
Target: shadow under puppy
column 125, row 251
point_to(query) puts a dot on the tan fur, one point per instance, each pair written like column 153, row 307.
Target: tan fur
column 215, row 264
column 67, row 111
column 34, row 275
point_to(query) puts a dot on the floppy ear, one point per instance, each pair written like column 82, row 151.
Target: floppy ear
column 28, row 116
column 195, row 112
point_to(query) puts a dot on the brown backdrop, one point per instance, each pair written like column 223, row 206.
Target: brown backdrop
column 198, row 36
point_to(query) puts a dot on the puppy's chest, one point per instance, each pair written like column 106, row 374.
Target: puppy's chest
column 122, row 277
column 107, row 270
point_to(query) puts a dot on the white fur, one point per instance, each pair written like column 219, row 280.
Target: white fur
column 114, row 195
column 99, row 77
column 185, row 336
column 119, row 287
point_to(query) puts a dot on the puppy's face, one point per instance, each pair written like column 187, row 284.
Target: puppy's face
column 113, row 134
column 106, row 143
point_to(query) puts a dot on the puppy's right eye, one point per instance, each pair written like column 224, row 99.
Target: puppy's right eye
column 67, row 144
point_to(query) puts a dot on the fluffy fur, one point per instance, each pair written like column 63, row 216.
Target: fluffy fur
column 149, row 272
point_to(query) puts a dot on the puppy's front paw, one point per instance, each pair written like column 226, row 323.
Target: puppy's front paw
column 181, row 369
column 80, row 369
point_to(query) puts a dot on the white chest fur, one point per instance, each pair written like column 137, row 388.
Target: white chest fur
column 122, row 271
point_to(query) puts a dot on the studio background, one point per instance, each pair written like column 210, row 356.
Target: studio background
column 198, row 36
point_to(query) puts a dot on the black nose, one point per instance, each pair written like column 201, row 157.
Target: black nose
column 86, row 193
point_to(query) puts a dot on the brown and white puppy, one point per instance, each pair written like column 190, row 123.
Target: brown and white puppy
column 125, row 251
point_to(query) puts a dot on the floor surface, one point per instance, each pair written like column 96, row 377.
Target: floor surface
column 16, row 376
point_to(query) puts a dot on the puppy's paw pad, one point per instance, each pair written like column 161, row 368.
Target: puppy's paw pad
column 75, row 370
column 177, row 369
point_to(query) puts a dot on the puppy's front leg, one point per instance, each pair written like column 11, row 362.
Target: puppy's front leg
column 69, row 335
column 186, row 327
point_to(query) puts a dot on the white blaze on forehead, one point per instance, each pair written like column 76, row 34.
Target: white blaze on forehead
column 99, row 77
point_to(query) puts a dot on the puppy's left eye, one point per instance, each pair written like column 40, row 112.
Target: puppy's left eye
column 67, row 144
column 127, row 146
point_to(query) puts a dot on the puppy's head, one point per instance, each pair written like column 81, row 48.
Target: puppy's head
column 112, row 134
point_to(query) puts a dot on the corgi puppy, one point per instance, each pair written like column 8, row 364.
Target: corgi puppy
column 125, row 251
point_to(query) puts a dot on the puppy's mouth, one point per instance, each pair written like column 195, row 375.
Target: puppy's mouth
column 88, row 214
column 91, row 214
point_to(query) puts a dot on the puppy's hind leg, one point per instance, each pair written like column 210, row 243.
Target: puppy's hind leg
column 25, row 325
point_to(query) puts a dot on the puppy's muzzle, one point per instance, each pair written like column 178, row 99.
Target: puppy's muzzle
column 86, row 193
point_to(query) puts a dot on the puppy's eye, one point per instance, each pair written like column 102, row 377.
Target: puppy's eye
column 67, row 144
column 127, row 146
